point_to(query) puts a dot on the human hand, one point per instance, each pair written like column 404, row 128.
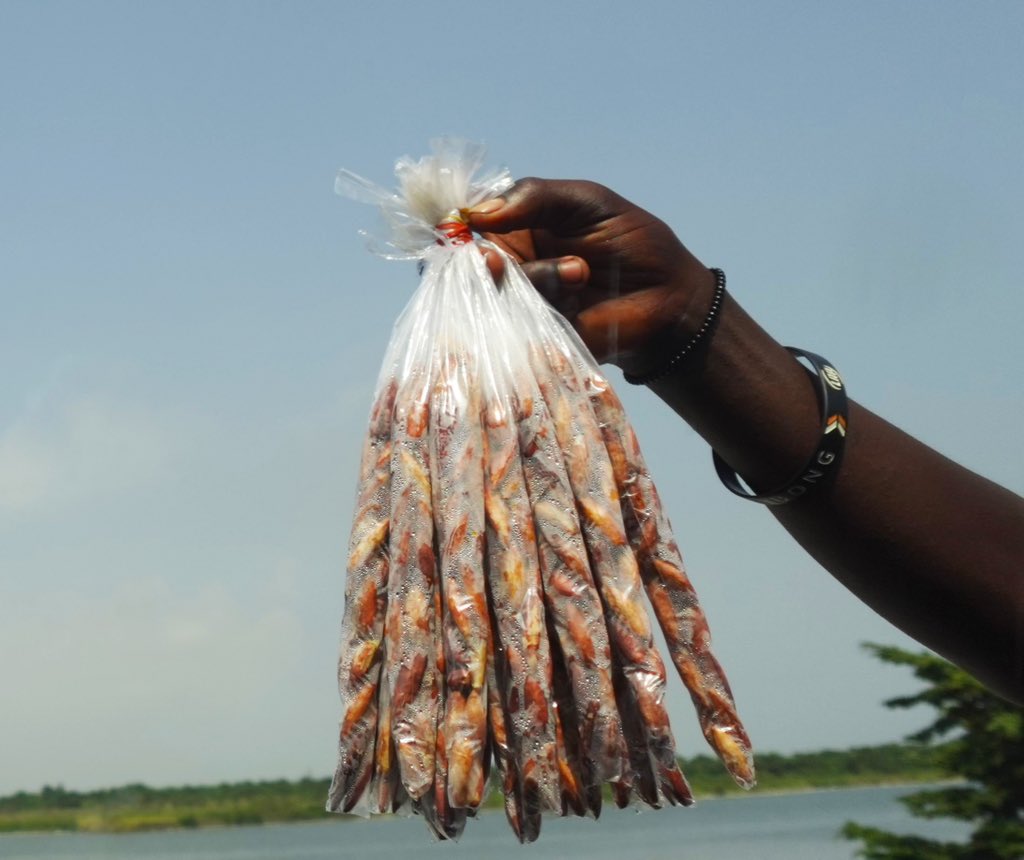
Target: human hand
column 619, row 274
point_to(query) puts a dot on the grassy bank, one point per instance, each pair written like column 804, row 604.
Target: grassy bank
column 888, row 764
column 134, row 808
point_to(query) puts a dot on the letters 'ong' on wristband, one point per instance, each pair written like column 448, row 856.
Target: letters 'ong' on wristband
column 824, row 463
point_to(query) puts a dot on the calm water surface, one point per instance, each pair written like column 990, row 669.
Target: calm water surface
column 795, row 827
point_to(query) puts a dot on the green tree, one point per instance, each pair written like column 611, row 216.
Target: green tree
column 984, row 744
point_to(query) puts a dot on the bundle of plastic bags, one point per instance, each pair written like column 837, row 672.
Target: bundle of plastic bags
column 506, row 531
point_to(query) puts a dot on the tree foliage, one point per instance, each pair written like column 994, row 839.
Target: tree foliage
column 983, row 743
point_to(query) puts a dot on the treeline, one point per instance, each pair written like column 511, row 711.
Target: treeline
column 876, row 765
column 138, row 807
column 139, row 795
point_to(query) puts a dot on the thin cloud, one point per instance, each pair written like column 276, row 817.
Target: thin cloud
column 149, row 678
column 79, row 451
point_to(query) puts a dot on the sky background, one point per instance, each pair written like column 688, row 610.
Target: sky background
column 190, row 326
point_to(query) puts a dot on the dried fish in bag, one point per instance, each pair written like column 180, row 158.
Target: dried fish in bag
column 616, row 574
column 415, row 610
column 505, row 529
column 660, row 562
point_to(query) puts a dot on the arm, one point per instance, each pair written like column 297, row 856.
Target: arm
column 931, row 546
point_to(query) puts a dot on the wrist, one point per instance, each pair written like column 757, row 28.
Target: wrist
column 679, row 323
column 750, row 399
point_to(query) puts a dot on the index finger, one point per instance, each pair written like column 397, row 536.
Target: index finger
column 551, row 204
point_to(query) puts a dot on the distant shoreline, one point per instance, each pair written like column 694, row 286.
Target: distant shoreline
column 785, row 792
column 329, row 818
column 139, row 808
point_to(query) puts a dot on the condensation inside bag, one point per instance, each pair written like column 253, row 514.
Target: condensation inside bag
column 505, row 533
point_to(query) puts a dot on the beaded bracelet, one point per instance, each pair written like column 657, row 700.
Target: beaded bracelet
column 825, row 461
column 700, row 335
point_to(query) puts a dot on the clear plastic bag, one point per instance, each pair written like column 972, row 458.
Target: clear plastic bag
column 506, row 529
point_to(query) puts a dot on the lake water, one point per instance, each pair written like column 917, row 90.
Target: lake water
column 794, row 827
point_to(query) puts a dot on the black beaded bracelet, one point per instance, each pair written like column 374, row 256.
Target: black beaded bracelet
column 700, row 335
column 825, row 461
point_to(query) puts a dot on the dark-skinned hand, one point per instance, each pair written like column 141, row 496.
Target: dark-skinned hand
column 615, row 271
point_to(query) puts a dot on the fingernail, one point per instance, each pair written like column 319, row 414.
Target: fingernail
column 570, row 271
column 487, row 207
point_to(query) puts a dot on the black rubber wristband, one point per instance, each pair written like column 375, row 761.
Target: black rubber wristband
column 824, row 463
column 698, row 338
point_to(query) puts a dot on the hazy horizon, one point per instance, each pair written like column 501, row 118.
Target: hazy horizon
column 191, row 327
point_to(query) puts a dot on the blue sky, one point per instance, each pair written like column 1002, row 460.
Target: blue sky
column 190, row 326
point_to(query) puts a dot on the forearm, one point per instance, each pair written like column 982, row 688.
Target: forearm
column 931, row 546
